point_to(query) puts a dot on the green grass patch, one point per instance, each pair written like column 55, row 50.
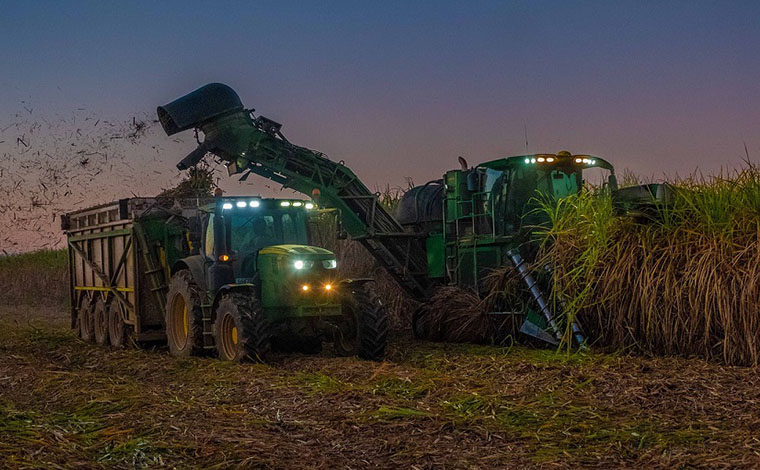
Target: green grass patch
column 317, row 382
column 391, row 413
column 396, row 387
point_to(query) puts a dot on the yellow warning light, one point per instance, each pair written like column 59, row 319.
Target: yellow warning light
column 224, row 258
column 328, row 286
column 305, row 287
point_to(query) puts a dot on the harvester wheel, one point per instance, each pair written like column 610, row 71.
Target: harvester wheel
column 184, row 316
column 86, row 320
column 365, row 323
column 116, row 327
column 100, row 320
column 242, row 333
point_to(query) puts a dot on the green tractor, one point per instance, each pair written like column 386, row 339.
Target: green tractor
column 256, row 283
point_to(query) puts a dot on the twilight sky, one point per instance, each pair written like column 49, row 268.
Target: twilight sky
column 401, row 89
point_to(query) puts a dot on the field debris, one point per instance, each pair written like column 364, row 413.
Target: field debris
column 432, row 405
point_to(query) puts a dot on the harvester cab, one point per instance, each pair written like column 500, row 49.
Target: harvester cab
column 256, row 282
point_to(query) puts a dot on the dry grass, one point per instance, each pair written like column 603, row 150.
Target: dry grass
column 37, row 278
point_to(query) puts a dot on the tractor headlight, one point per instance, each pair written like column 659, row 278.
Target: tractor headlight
column 227, row 205
column 301, row 264
column 329, row 264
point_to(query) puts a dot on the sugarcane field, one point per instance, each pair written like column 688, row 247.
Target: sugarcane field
column 489, row 235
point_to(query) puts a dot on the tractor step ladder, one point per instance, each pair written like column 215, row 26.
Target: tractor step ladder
column 208, row 331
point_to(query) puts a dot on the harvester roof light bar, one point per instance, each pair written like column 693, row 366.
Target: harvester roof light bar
column 254, row 203
column 550, row 159
column 241, row 204
column 285, row 203
column 541, row 159
column 227, row 205
column 297, row 204
column 309, row 205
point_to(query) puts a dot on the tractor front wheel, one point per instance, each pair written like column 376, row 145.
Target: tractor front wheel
column 364, row 330
column 241, row 331
column 184, row 316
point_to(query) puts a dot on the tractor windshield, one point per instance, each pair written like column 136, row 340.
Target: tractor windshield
column 253, row 230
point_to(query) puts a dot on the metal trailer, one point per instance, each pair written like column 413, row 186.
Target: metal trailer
column 119, row 260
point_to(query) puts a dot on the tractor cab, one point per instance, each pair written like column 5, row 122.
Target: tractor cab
column 256, row 283
column 265, row 243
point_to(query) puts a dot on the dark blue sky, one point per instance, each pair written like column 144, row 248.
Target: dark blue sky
column 401, row 89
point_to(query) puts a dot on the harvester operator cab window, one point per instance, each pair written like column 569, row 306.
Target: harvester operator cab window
column 564, row 184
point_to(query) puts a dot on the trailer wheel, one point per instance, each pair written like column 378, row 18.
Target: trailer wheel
column 116, row 326
column 242, row 333
column 86, row 320
column 100, row 320
column 364, row 331
column 184, row 316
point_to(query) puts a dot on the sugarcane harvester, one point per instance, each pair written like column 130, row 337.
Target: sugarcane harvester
column 452, row 231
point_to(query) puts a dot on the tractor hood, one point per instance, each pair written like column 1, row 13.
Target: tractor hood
column 297, row 250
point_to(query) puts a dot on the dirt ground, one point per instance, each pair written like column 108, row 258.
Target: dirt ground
column 68, row 404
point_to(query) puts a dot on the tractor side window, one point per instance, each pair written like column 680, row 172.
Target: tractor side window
column 209, row 246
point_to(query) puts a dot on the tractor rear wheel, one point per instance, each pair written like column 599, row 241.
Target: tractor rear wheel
column 100, row 320
column 364, row 331
column 86, row 319
column 184, row 316
column 241, row 331
column 116, row 328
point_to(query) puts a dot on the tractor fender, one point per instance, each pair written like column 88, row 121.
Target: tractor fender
column 244, row 288
column 196, row 265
